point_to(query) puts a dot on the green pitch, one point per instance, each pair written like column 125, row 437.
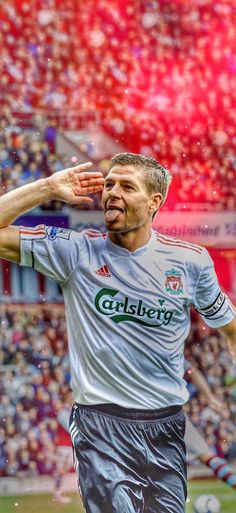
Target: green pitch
column 45, row 504
column 225, row 494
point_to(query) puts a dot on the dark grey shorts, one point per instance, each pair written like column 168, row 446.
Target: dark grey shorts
column 130, row 465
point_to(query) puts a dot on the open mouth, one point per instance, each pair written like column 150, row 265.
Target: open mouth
column 114, row 207
column 112, row 213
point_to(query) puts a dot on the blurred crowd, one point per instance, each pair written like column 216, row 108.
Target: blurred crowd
column 159, row 76
column 25, row 156
column 208, row 351
column 35, row 387
column 29, row 154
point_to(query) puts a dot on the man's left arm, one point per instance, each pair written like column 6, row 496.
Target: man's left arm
column 229, row 331
column 213, row 305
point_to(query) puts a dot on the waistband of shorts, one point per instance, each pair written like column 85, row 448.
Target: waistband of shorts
column 132, row 413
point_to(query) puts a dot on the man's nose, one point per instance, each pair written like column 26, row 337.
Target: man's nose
column 114, row 192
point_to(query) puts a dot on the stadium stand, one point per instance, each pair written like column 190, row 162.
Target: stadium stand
column 208, row 351
column 24, row 155
column 34, row 385
column 149, row 88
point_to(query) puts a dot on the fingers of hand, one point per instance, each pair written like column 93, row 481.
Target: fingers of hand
column 88, row 182
column 93, row 188
column 89, row 190
column 91, row 176
column 81, row 167
column 79, row 200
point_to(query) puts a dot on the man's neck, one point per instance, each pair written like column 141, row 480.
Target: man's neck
column 131, row 240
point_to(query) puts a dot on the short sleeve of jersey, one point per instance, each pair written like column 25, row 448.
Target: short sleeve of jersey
column 52, row 251
column 212, row 304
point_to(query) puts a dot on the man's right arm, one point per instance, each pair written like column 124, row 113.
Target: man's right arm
column 10, row 243
column 70, row 185
column 12, row 205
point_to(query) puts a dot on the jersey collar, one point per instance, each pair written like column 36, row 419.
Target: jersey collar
column 118, row 250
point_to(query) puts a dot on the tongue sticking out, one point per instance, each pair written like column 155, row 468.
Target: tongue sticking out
column 111, row 215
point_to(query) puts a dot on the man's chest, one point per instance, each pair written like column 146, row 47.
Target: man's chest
column 139, row 290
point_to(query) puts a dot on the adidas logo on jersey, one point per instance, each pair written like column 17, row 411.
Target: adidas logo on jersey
column 103, row 272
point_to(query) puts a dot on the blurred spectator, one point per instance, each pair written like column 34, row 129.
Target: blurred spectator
column 50, row 134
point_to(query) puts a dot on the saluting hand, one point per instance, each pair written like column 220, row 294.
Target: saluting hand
column 73, row 184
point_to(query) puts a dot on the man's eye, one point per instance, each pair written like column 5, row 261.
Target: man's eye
column 108, row 185
column 129, row 188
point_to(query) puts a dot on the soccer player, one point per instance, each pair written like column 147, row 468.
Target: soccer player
column 127, row 296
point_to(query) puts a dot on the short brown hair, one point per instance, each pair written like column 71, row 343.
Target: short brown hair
column 157, row 177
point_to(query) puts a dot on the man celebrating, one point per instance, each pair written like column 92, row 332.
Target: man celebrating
column 127, row 297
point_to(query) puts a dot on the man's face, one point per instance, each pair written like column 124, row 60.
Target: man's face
column 126, row 201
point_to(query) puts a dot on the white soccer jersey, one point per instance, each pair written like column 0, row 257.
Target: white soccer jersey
column 128, row 313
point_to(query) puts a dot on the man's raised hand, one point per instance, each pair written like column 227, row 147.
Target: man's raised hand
column 72, row 185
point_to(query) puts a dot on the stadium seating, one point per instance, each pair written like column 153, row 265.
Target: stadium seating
column 160, row 78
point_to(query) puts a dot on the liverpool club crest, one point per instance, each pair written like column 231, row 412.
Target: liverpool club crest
column 173, row 282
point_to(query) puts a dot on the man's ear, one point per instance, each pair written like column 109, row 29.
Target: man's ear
column 155, row 202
